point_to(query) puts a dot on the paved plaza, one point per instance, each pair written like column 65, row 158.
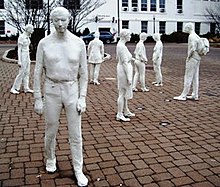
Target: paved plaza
column 168, row 143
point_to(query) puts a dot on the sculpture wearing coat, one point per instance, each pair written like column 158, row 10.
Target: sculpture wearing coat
column 140, row 62
column 124, row 76
column 96, row 56
column 157, row 59
column 62, row 55
column 23, row 61
column 192, row 66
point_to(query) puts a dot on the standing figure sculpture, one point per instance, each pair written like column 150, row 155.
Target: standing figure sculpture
column 157, row 59
column 23, row 61
column 62, row 56
column 192, row 64
column 140, row 62
column 124, row 76
column 96, row 56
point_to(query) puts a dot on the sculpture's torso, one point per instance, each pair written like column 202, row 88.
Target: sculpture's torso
column 192, row 46
column 124, row 58
column 140, row 52
column 158, row 52
column 24, row 42
column 61, row 58
column 96, row 51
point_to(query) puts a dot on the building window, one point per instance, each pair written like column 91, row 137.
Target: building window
column 124, row 3
column 125, row 24
column 179, row 26
column 143, row 5
column 134, row 3
column 2, row 27
column 71, row 4
column 179, row 4
column 153, row 5
column 144, row 26
column 34, row 4
column 2, row 4
column 162, row 27
column 162, row 4
column 212, row 28
column 197, row 27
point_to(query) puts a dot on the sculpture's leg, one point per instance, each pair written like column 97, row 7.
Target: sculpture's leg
column 136, row 77
column 70, row 96
column 52, row 111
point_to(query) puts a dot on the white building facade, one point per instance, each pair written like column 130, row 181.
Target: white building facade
column 150, row 16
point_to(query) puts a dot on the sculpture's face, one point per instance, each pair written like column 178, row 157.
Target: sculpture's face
column 188, row 27
column 30, row 30
column 156, row 37
column 143, row 37
column 60, row 21
column 128, row 37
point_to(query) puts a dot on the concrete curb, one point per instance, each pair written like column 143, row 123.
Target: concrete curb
column 6, row 59
column 9, row 60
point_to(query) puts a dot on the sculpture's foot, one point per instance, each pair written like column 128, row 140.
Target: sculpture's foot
column 28, row 90
column 96, row 83
column 91, row 82
column 122, row 118
column 158, row 84
column 13, row 91
column 129, row 114
column 135, row 89
column 192, row 97
column 154, row 82
column 81, row 179
column 51, row 165
column 180, row 98
column 145, row 90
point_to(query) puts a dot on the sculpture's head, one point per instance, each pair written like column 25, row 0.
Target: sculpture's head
column 188, row 27
column 29, row 29
column 125, row 34
column 97, row 34
column 143, row 36
column 60, row 17
column 156, row 36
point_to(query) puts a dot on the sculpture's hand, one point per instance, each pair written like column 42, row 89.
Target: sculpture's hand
column 81, row 105
column 38, row 106
column 129, row 82
column 133, row 59
column 19, row 63
column 145, row 61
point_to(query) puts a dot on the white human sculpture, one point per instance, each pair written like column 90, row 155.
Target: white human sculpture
column 157, row 59
column 96, row 56
column 62, row 55
column 124, row 76
column 23, row 61
column 192, row 66
column 140, row 62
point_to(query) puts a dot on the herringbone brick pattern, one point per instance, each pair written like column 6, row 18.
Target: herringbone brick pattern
column 140, row 153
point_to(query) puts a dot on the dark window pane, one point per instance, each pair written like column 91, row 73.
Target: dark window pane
column 2, row 4
column 2, row 27
column 34, row 4
column 71, row 4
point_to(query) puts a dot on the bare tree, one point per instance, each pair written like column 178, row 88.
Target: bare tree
column 17, row 14
column 80, row 13
column 213, row 15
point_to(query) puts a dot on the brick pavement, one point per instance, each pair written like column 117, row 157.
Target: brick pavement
column 142, row 152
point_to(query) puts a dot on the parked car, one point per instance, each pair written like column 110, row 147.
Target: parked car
column 105, row 36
